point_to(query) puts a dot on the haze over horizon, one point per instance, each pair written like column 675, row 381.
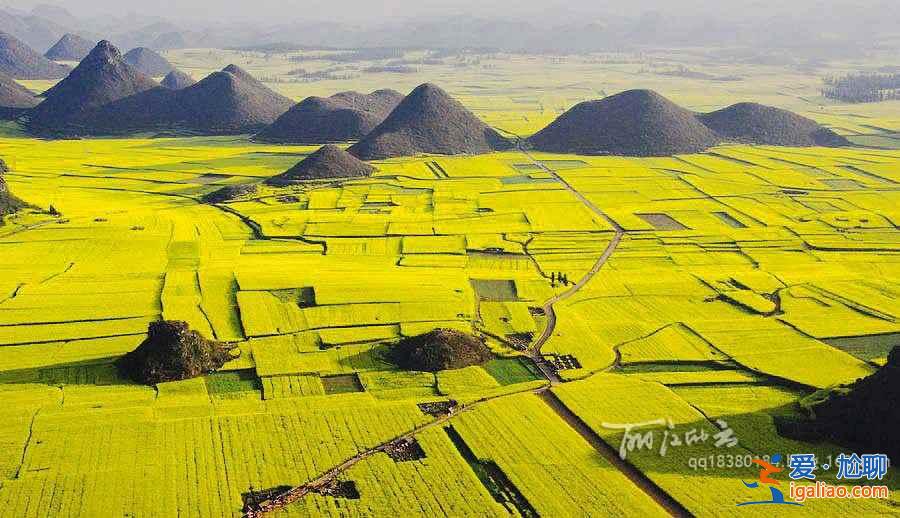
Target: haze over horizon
column 794, row 31
column 366, row 12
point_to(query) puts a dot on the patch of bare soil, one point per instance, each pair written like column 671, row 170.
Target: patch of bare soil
column 405, row 450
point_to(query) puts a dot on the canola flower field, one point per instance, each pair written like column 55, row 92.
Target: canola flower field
column 741, row 280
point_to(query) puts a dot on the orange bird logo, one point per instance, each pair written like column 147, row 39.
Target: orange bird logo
column 767, row 470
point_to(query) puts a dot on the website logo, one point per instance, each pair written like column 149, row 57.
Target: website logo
column 765, row 477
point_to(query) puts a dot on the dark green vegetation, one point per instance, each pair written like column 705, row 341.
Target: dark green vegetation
column 863, row 88
column 328, row 162
column 19, row 61
column 173, row 352
column 509, row 371
column 233, row 383
column 438, row 350
column 863, row 415
column 8, row 202
column 428, row 120
column 495, row 290
column 342, row 117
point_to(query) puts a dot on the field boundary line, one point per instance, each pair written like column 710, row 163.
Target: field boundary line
column 636, row 476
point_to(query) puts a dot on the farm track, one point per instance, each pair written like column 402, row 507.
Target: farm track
column 669, row 504
column 296, row 493
column 638, row 478
column 534, row 351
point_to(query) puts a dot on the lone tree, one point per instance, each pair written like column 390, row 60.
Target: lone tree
column 171, row 352
column 441, row 349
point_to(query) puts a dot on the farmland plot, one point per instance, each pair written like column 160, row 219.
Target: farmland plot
column 697, row 321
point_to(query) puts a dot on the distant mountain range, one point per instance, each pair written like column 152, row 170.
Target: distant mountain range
column 813, row 32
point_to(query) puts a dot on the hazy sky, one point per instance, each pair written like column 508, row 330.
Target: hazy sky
column 374, row 10
column 275, row 11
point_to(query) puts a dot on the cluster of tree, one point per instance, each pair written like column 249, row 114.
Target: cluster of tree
column 559, row 277
column 301, row 75
column 369, row 54
column 394, row 69
column 862, row 88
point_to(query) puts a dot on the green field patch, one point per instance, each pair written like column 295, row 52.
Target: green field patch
column 868, row 347
column 527, row 168
column 842, row 184
column 565, row 164
column 342, row 384
column 879, row 141
column 231, row 384
column 509, row 371
column 495, row 290
column 524, row 179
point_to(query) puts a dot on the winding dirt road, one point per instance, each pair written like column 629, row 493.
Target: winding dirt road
column 534, row 351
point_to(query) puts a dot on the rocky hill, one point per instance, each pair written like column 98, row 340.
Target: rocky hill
column 631, row 123
column 15, row 99
column 863, row 416
column 148, row 62
column 429, row 121
column 227, row 102
column 19, row 61
column 441, row 349
column 342, row 117
column 177, row 80
column 328, row 162
column 71, row 47
column 101, row 78
column 754, row 123
column 172, row 352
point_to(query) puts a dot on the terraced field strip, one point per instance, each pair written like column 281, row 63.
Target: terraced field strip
column 610, row 454
column 296, row 493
